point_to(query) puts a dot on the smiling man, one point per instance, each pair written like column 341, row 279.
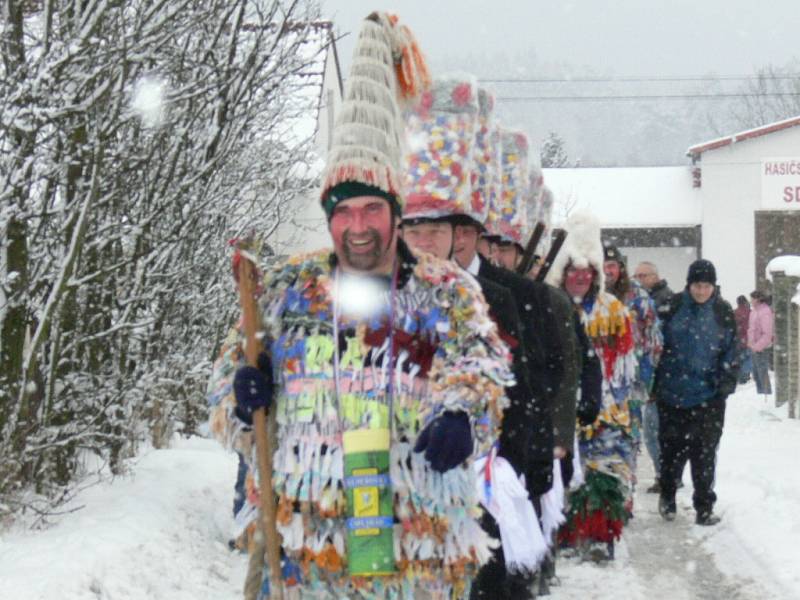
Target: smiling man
column 385, row 371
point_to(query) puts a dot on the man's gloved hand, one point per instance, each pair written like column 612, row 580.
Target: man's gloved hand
column 252, row 387
column 446, row 441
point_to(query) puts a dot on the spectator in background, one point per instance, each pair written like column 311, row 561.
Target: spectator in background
column 759, row 340
column 742, row 316
column 648, row 344
column 647, row 275
column 696, row 374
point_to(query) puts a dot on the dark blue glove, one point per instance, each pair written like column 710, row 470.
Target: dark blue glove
column 252, row 387
column 446, row 441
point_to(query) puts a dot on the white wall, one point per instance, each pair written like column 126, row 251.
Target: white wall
column 731, row 193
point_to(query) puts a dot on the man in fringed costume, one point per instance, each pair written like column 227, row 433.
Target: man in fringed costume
column 452, row 131
column 385, row 371
column 647, row 339
column 599, row 509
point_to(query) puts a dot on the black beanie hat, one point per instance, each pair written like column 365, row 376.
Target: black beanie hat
column 701, row 270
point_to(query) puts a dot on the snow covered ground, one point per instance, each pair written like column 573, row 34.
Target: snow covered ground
column 162, row 532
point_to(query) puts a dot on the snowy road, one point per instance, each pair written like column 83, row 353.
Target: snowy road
column 161, row 533
column 753, row 553
column 658, row 560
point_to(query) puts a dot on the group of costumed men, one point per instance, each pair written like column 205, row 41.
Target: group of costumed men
column 431, row 399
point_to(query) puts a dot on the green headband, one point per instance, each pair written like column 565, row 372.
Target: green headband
column 353, row 189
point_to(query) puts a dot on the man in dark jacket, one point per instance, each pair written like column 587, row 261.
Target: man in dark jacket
column 696, row 374
column 542, row 341
column 647, row 275
column 582, row 372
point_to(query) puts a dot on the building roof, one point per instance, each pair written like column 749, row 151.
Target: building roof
column 628, row 196
column 696, row 151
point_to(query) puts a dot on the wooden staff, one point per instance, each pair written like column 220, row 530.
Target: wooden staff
column 265, row 429
column 526, row 262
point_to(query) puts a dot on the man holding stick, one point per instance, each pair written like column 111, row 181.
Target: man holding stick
column 386, row 375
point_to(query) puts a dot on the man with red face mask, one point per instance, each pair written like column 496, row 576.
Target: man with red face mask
column 385, row 371
column 601, row 507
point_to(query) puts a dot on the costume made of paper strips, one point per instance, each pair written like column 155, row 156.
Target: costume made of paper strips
column 648, row 344
column 598, row 510
column 428, row 347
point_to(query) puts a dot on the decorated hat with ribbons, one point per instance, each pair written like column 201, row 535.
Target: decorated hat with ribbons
column 387, row 74
column 486, row 159
column 510, row 211
column 441, row 130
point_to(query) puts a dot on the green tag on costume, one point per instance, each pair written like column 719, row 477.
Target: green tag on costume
column 370, row 515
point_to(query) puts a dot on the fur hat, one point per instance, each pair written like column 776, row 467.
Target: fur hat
column 368, row 146
column 582, row 248
column 510, row 213
column 441, row 130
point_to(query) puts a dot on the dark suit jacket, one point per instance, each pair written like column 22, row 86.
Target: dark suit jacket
column 518, row 420
column 545, row 356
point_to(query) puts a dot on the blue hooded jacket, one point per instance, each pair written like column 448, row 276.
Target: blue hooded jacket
column 699, row 360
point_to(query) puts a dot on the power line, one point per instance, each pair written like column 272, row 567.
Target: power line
column 605, row 98
column 640, row 79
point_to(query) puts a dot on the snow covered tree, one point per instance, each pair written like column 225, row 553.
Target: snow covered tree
column 772, row 96
column 553, row 155
column 135, row 138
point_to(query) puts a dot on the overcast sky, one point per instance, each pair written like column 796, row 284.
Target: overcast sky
column 622, row 37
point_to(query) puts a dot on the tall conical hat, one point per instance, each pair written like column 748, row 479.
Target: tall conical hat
column 441, row 130
column 535, row 214
column 511, row 216
column 367, row 148
column 486, row 159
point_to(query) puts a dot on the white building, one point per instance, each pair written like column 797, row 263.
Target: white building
column 749, row 185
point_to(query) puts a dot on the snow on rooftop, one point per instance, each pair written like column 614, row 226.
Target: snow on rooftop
column 698, row 149
column 789, row 265
column 627, row 196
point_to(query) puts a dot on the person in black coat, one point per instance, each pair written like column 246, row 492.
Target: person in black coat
column 542, row 341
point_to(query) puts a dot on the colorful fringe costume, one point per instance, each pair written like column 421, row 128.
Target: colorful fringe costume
column 648, row 343
column 598, row 510
column 428, row 347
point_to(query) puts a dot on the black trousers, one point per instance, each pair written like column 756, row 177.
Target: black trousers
column 691, row 434
column 493, row 582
